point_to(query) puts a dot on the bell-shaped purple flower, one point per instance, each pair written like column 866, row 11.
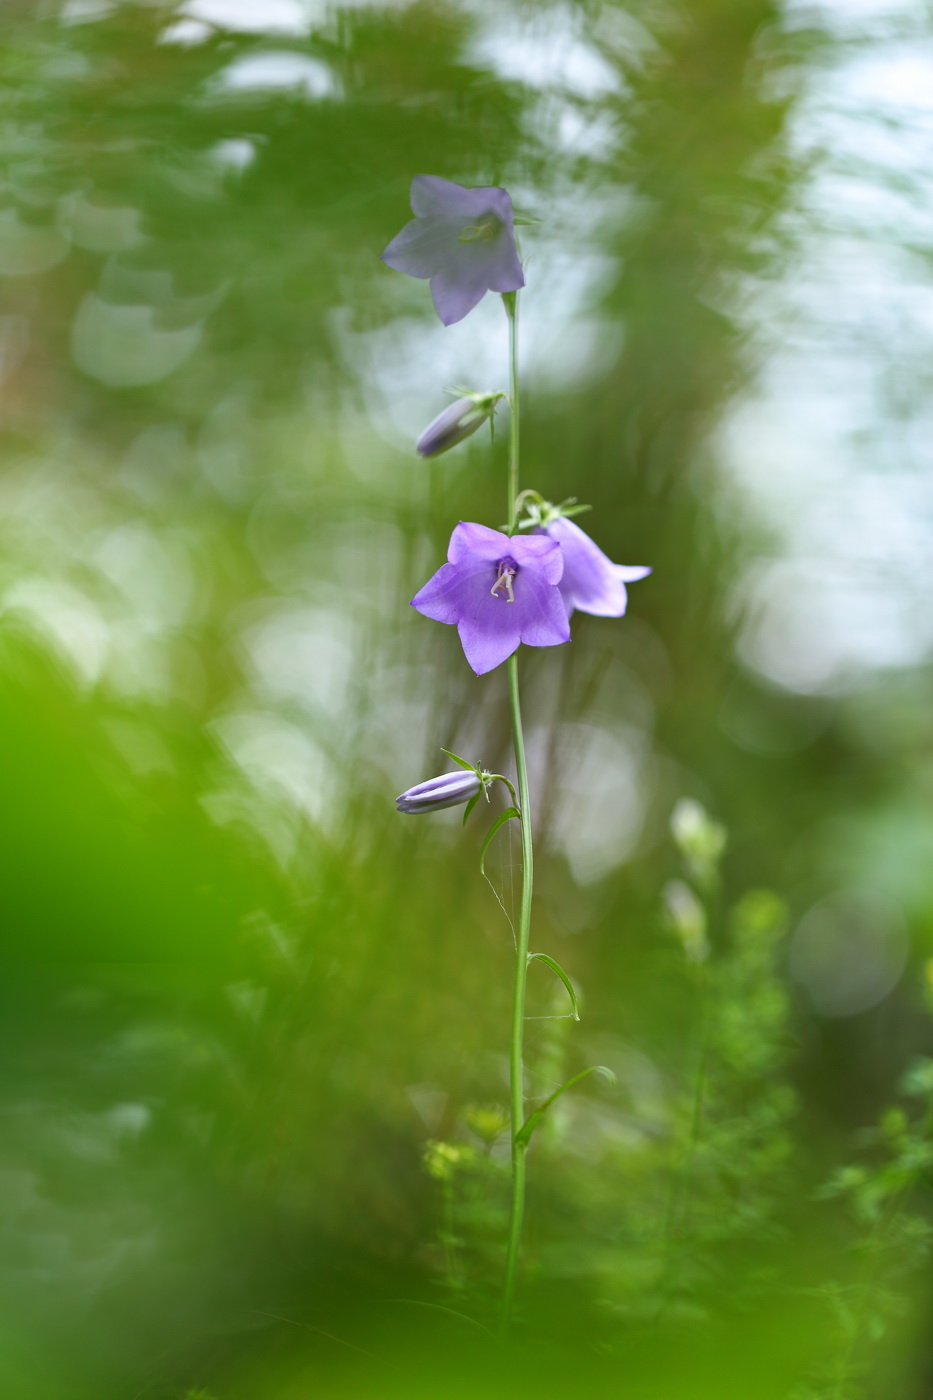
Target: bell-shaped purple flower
column 449, row 790
column 462, row 239
column 590, row 581
column 498, row 590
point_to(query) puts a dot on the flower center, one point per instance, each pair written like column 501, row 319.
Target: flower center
column 483, row 231
column 506, row 572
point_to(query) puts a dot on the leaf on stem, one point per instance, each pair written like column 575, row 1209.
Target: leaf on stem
column 558, row 971
column 531, row 1122
column 501, row 820
column 462, row 761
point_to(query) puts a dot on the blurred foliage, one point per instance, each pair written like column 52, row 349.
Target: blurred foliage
column 254, row 1024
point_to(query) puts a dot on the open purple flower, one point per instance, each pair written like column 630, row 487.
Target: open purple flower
column 590, row 581
column 463, row 239
column 498, row 591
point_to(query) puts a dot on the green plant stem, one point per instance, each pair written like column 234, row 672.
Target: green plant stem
column 516, row 1054
column 511, row 306
column 516, row 1077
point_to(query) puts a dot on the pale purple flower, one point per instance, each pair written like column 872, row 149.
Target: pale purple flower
column 449, row 790
column 457, row 422
column 463, row 239
column 590, row 581
column 498, row 591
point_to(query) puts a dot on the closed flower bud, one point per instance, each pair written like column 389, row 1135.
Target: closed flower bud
column 449, row 790
column 457, row 422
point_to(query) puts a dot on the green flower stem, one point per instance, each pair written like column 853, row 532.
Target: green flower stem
column 511, row 306
column 516, row 1078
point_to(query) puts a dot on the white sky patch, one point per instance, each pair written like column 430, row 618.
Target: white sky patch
column 257, row 16
column 542, row 49
column 275, row 72
column 832, row 451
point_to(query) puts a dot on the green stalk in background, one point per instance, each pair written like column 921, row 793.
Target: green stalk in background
column 516, row 1079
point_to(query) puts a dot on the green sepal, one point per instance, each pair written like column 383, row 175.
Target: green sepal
column 568, row 511
column 559, row 972
column 523, row 1137
column 469, row 807
column 525, row 220
column 471, row 767
column 501, row 820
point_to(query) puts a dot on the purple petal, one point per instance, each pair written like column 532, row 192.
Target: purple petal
column 430, row 195
column 540, row 610
column 539, row 552
column 422, row 246
column 438, row 599
column 629, row 573
column 489, row 638
column 457, row 287
column 470, row 541
column 589, row 581
column 504, row 268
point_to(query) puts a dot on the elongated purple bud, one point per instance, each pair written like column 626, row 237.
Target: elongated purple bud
column 449, row 790
column 457, row 422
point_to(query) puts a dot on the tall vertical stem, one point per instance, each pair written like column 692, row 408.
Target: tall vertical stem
column 511, row 306
column 516, row 1079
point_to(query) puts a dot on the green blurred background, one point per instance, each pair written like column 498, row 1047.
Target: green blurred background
column 241, row 996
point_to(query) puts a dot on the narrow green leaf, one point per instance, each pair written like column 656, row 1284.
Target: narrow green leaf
column 462, row 761
column 534, row 1118
column 469, row 807
column 501, row 820
column 559, row 972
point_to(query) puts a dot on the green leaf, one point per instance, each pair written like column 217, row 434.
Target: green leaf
column 462, row 761
column 469, row 807
column 534, row 1118
column 559, row 972
column 506, row 816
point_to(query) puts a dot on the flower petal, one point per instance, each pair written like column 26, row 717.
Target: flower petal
column 540, row 611
column 422, row 246
column 430, row 195
column 490, row 638
column 539, row 552
column 589, row 581
column 438, row 599
column 505, row 266
column 470, row 541
column 457, row 287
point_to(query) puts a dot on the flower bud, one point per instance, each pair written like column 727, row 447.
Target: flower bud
column 457, row 422
column 449, row 790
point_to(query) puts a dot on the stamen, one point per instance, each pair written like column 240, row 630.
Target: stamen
column 507, row 571
column 481, row 232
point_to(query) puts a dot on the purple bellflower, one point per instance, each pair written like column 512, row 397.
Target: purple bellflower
column 449, row 790
column 457, row 422
column 462, row 239
column 590, row 581
column 498, row 591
